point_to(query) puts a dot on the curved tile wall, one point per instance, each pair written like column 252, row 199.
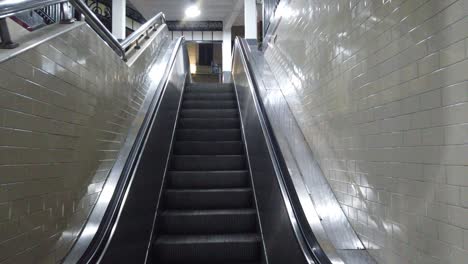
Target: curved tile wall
column 379, row 89
column 65, row 109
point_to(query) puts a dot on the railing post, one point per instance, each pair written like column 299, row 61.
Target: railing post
column 7, row 43
column 66, row 16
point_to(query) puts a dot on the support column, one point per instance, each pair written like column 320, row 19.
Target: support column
column 250, row 19
column 227, row 50
column 119, row 18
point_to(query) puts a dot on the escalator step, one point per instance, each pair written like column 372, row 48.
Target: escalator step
column 213, row 123
column 208, row 134
column 208, row 179
column 209, row 96
column 208, row 248
column 208, row 210
column 214, row 88
column 205, row 162
column 193, row 222
column 207, row 113
column 208, row 148
column 208, row 198
column 209, row 104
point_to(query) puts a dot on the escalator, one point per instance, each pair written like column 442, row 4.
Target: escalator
column 204, row 182
column 208, row 210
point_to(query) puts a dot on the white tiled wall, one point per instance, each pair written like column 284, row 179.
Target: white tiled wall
column 65, row 109
column 380, row 90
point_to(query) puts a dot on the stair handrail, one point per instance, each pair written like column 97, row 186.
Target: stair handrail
column 10, row 8
column 99, row 27
column 143, row 30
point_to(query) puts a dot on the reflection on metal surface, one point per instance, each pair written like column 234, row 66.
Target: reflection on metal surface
column 142, row 194
column 110, row 188
column 144, row 29
column 283, row 240
column 10, row 8
column 323, row 212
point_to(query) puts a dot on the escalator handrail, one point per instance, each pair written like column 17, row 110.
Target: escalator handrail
column 306, row 238
column 98, row 231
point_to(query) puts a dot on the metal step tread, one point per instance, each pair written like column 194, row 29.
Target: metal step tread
column 246, row 211
column 204, row 239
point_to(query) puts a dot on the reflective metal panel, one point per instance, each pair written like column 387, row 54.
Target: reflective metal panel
column 132, row 232
column 280, row 234
column 10, row 8
column 322, row 210
column 109, row 190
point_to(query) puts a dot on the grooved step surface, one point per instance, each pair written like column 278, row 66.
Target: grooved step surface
column 209, row 89
column 207, row 123
column 207, row 113
column 208, row 198
column 209, row 104
column 207, row 179
column 208, row 134
column 209, row 221
column 208, row 211
column 207, row 162
column 208, row 148
column 208, row 248
column 210, row 96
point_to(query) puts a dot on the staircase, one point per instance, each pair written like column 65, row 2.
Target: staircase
column 208, row 210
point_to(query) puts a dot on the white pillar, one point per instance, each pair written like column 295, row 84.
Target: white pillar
column 250, row 19
column 227, row 50
column 119, row 18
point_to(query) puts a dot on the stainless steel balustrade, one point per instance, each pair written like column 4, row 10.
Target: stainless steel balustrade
column 10, row 8
column 96, row 235
column 143, row 30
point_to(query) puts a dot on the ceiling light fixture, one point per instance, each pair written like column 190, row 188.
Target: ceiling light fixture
column 192, row 11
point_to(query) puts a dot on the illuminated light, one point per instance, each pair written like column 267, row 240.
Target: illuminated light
column 193, row 68
column 287, row 12
column 192, row 11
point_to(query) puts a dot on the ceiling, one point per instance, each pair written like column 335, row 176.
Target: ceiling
column 211, row 10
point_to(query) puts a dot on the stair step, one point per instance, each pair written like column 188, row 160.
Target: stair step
column 210, row 96
column 208, row 179
column 207, row 113
column 208, row 134
column 191, row 222
column 208, row 162
column 209, row 104
column 208, row 198
column 208, row 148
column 213, row 88
column 212, row 123
column 208, row 248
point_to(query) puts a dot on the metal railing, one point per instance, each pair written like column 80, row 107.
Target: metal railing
column 143, row 30
column 11, row 8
